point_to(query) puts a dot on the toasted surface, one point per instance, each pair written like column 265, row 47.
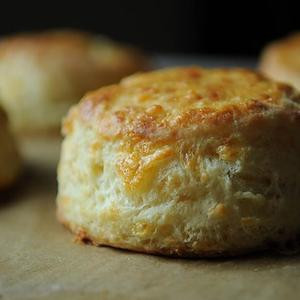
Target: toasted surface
column 43, row 74
column 281, row 60
column 183, row 161
column 9, row 159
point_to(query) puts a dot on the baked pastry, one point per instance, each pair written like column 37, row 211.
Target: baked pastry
column 43, row 74
column 281, row 60
column 183, row 161
column 10, row 164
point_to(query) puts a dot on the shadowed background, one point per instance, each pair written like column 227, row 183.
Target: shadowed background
column 170, row 26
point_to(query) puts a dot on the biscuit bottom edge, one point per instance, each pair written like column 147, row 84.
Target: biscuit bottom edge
column 289, row 246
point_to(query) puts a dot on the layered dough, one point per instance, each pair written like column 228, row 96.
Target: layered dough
column 184, row 161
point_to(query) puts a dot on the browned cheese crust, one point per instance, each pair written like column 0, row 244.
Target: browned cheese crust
column 183, row 161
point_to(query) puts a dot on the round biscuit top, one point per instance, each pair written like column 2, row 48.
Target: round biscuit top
column 168, row 104
column 67, row 44
column 183, row 161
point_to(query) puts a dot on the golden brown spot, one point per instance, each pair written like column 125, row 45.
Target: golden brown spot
column 97, row 169
column 67, row 124
column 95, row 147
column 155, row 110
column 139, row 168
column 220, row 211
column 193, row 72
column 82, row 237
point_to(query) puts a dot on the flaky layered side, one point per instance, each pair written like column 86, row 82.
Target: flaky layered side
column 185, row 161
column 281, row 60
column 43, row 74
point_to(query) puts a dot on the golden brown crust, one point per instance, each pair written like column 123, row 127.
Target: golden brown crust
column 216, row 100
column 165, row 107
column 184, row 161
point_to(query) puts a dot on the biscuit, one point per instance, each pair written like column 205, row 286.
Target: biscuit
column 185, row 162
column 10, row 163
column 281, row 60
column 43, row 74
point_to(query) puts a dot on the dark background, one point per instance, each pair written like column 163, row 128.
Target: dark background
column 202, row 27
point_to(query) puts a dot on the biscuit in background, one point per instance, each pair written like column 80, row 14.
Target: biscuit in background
column 183, row 161
column 281, row 60
column 43, row 74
